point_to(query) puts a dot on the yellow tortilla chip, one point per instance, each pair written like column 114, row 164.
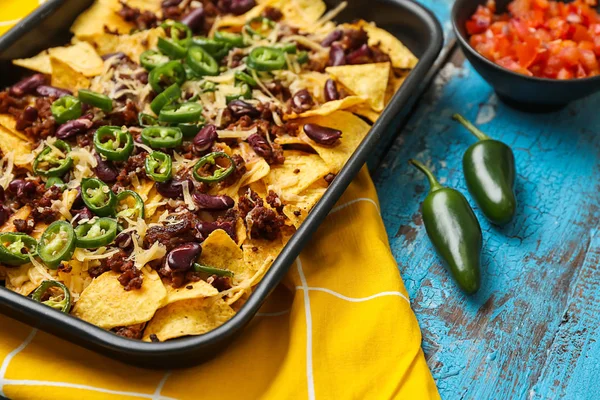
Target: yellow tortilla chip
column 256, row 170
column 102, row 13
column 298, row 172
column 19, row 147
column 331, row 107
column 298, row 211
column 193, row 290
column 237, row 21
column 81, row 57
column 366, row 80
column 10, row 123
column 63, row 76
column 132, row 45
column 301, row 13
column 353, row 128
column 257, row 251
column 145, row 5
column 39, row 63
column 21, row 213
column 188, row 317
column 393, row 86
column 220, row 251
column 77, row 279
column 107, row 304
column 365, row 111
column 400, row 55
column 23, row 279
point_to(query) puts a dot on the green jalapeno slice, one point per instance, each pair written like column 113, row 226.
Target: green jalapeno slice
column 66, row 108
column 216, row 49
column 245, row 78
column 289, row 48
column 159, row 166
column 63, row 305
column 151, row 59
column 266, row 59
column 96, row 233
column 201, row 62
column 212, row 270
column 189, row 130
column 146, row 120
column 260, row 27
column 55, row 181
column 169, row 95
column 54, row 160
column 15, row 248
column 171, row 48
column 129, row 205
column 94, row 99
column 243, row 92
column 98, row 197
column 177, row 31
column 203, row 174
column 166, row 75
column 162, row 137
column 181, row 113
column 56, row 244
column 230, row 38
column 113, row 143
column 302, row 57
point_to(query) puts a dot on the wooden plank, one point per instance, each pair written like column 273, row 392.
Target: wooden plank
column 502, row 341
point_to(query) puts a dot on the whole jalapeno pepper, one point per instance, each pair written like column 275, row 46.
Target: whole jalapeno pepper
column 66, row 108
column 259, row 27
column 230, row 38
column 54, row 160
column 113, row 143
column 201, row 62
column 56, row 244
column 94, row 99
column 219, row 173
column 159, row 166
column 168, row 96
column 15, row 248
column 98, row 197
column 98, row 233
column 129, row 205
column 162, row 137
column 453, row 230
column 151, row 59
column 166, row 75
column 266, row 59
column 489, row 168
column 181, row 113
column 63, row 305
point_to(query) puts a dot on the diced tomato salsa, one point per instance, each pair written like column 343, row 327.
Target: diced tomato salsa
column 542, row 38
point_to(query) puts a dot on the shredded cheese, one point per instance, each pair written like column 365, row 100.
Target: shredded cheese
column 88, row 255
column 232, row 134
column 6, row 169
column 142, row 257
column 187, row 197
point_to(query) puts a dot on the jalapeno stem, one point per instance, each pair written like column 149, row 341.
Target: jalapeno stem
column 433, row 182
column 471, row 128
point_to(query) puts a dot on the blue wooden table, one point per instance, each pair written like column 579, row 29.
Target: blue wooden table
column 532, row 331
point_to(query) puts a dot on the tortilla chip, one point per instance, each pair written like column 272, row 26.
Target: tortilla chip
column 10, row 123
column 240, row 20
column 353, row 128
column 102, row 13
column 78, row 279
column 365, row 111
column 220, row 251
column 235, row 297
column 145, row 5
column 330, row 107
column 107, row 304
column 366, row 80
column 298, row 211
column 132, row 45
column 309, row 167
column 21, row 213
column 39, row 63
column 23, row 279
column 255, row 171
column 400, row 55
column 193, row 290
column 393, row 86
column 63, row 76
column 240, row 231
column 188, row 317
column 257, row 251
column 301, row 13
column 21, row 149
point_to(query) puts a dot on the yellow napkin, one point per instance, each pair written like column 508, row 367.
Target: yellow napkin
column 340, row 328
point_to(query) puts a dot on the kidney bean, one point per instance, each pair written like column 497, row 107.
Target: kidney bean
column 182, row 257
column 334, row 36
column 27, row 85
column 240, row 108
column 124, row 241
column 2, row 196
column 213, row 203
column 322, row 134
column 170, row 3
column 142, row 76
column 205, row 228
column 51, row 91
column 27, row 118
column 336, row 55
column 4, row 214
column 362, row 55
column 239, row 7
column 22, row 188
column 194, row 19
column 260, row 145
column 205, row 138
column 105, row 171
column 172, row 188
column 331, row 92
column 73, row 127
column 81, row 215
column 302, row 101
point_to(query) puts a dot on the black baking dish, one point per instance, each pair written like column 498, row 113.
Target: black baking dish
column 49, row 26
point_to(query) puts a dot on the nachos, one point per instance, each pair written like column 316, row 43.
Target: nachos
column 152, row 170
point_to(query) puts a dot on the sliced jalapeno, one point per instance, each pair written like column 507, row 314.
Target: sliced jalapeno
column 166, row 75
column 171, row 48
column 54, row 160
column 212, row 270
column 113, row 143
column 98, row 197
column 230, row 38
column 15, row 248
column 162, row 137
column 190, row 130
column 151, row 59
column 129, row 205
column 289, row 48
column 66, row 108
column 302, row 57
column 212, row 175
column 201, row 62
column 243, row 92
column 94, row 99
column 147, row 120
column 57, row 243
column 98, row 233
column 159, row 166
column 181, row 113
column 177, row 31
column 55, row 181
column 266, row 59
column 169, row 95
column 216, row 49
column 260, row 27
column 63, row 305
column 245, row 78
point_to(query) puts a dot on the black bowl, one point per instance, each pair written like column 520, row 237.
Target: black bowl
column 524, row 92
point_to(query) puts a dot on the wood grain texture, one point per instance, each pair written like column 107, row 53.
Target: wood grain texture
column 531, row 331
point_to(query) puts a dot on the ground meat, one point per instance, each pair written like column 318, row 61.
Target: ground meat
column 130, row 278
column 24, row 225
column 97, row 270
column 272, row 13
column 45, row 125
column 220, row 283
column 274, row 201
column 42, row 208
column 10, row 104
column 173, row 234
column 64, row 268
column 133, row 166
column 128, row 116
column 353, row 39
column 288, row 128
column 142, row 19
column 262, row 221
column 248, row 201
column 132, row 332
column 154, row 338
